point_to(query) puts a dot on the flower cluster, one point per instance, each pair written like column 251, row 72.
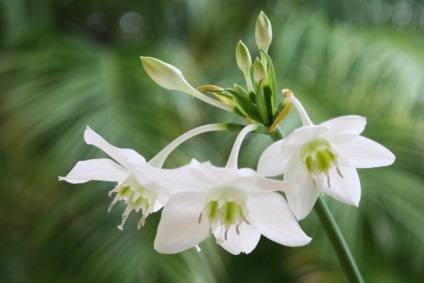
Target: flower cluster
column 238, row 205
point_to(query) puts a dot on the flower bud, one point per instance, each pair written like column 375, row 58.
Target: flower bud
column 169, row 77
column 165, row 75
column 263, row 32
column 259, row 73
column 243, row 57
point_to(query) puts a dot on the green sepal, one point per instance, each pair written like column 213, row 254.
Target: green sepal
column 263, row 102
column 244, row 105
column 271, row 77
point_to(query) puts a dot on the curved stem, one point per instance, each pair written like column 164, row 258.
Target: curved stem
column 159, row 159
column 333, row 232
column 232, row 160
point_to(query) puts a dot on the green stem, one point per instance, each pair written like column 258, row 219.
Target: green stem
column 333, row 232
column 337, row 240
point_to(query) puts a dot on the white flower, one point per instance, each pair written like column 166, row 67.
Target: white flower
column 235, row 205
column 142, row 195
column 324, row 158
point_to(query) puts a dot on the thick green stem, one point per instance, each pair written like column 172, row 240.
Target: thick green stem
column 334, row 234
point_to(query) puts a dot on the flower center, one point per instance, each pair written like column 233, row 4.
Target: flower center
column 319, row 158
column 136, row 197
column 225, row 207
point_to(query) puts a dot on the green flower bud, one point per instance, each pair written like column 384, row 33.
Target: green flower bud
column 263, row 32
column 165, row 75
column 259, row 73
column 244, row 61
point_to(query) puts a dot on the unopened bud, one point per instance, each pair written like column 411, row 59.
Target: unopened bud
column 263, row 32
column 244, row 61
column 165, row 75
column 259, row 73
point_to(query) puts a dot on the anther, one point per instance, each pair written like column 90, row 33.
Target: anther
column 200, row 217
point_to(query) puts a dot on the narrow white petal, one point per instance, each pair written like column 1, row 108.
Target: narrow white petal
column 272, row 217
column 351, row 124
column 346, row 189
column 303, row 201
column 271, row 162
column 119, row 154
column 102, row 169
column 244, row 242
column 179, row 228
column 365, row 153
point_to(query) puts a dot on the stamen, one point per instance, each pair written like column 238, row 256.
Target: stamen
column 339, row 172
column 237, row 229
column 328, row 181
column 245, row 220
column 226, row 235
column 115, row 200
column 141, row 222
column 200, row 217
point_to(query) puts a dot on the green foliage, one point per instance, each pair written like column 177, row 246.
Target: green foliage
column 58, row 75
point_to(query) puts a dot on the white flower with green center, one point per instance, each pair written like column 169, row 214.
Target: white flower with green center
column 235, row 205
column 145, row 194
column 138, row 195
column 324, row 158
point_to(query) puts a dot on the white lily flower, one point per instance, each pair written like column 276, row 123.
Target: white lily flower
column 138, row 195
column 146, row 194
column 324, row 158
column 235, row 205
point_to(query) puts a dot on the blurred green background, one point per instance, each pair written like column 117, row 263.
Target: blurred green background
column 68, row 64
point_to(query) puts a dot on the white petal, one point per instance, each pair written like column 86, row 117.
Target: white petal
column 179, row 228
column 119, row 154
column 351, row 124
column 271, row 216
column 102, row 169
column 365, row 153
column 263, row 184
column 303, row 135
column 346, row 189
column 245, row 242
column 271, row 162
column 303, row 201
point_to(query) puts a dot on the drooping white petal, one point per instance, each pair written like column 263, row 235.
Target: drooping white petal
column 302, row 202
column 179, row 228
column 101, row 169
column 350, row 124
column 272, row 217
column 271, row 163
column 119, row 154
column 243, row 242
column 365, row 153
column 346, row 189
